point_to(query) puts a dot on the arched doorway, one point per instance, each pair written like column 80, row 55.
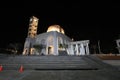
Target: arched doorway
column 50, row 50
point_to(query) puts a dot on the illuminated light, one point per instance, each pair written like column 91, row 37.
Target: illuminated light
column 25, row 51
column 72, row 39
column 35, row 20
column 32, row 51
column 30, row 19
column 55, row 28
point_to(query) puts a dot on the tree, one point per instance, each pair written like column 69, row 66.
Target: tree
column 15, row 47
column 94, row 49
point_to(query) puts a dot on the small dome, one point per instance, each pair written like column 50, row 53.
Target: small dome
column 55, row 28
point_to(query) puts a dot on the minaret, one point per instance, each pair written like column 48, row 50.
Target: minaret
column 32, row 32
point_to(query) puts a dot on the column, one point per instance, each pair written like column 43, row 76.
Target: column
column 82, row 49
column 72, row 52
column 76, row 48
column 46, row 52
column 87, row 49
column 55, row 44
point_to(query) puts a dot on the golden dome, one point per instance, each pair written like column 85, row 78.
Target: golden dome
column 55, row 28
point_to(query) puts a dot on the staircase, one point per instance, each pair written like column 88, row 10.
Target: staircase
column 46, row 62
column 50, row 67
column 62, row 53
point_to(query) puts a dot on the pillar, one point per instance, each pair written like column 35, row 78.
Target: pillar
column 71, row 50
column 76, row 48
column 82, row 49
column 87, row 49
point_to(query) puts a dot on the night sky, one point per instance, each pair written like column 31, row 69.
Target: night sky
column 94, row 22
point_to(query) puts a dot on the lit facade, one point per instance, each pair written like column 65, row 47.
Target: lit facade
column 52, row 42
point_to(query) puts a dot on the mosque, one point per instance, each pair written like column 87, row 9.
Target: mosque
column 52, row 42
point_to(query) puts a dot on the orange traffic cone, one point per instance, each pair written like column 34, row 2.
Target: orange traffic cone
column 1, row 68
column 21, row 69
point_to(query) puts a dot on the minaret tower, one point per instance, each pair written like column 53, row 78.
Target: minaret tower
column 32, row 32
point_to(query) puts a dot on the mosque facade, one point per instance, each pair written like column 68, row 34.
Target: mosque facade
column 52, row 42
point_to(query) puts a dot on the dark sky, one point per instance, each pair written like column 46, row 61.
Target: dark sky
column 81, row 21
